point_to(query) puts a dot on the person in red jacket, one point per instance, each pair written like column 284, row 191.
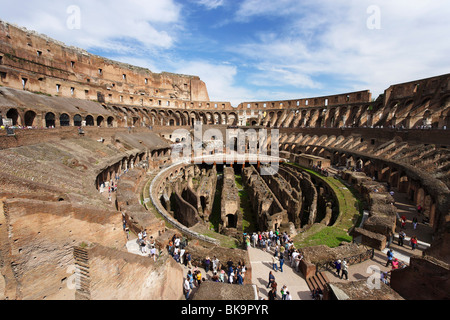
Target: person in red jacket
column 413, row 243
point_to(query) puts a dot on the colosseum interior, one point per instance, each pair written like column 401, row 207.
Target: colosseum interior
column 88, row 144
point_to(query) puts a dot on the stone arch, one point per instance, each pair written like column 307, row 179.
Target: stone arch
column 13, row 114
column 29, row 117
column 50, row 119
column 110, row 122
column 233, row 119
column 77, row 120
column 64, row 120
column 100, row 121
column 89, row 121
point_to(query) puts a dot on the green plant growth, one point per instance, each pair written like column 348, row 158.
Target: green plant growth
column 350, row 213
column 249, row 223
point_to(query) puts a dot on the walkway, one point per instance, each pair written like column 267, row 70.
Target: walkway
column 261, row 262
column 423, row 232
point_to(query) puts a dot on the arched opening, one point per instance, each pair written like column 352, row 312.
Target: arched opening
column 14, row 116
column 77, row 120
column 110, row 121
column 231, row 221
column 64, row 120
column 50, row 120
column 100, row 120
column 90, row 121
column 29, row 118
column 203, row 203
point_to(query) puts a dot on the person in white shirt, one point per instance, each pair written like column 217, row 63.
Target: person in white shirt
column 177, row 242
column 231, row 277
column 187, row 288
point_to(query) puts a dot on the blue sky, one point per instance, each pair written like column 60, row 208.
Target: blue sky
column 256, row 50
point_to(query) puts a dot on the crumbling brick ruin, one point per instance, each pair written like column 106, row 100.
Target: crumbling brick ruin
column 82, row 124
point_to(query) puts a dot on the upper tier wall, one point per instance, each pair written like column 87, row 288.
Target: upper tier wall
column 52, row 67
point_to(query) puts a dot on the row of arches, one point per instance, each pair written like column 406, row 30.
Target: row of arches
column 330, row 118
column 50, row 119
column 394, row 174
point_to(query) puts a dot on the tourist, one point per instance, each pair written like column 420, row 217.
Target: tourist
column 243, row 270
column 153, row 253
column 186, row 288
column 419, row 209
column 274, row 263
column 263, row 244
column 384, row 277
column 390, row 256
column 413, row 242
column 274, row 285
column 298, row 259
column 231, row 276
column 283, row 292
column 240, row 279
column 395, row 264
column 190, row 276
column 189, row 260
column 272, row 294
column 177, row 242
column 207, row 264
column 337, row 265
column 403, row 221
column 215, row 264
column 271, row 279
column 176, row 256
column 281, row 263
column 401, row 238
column 198, row 277
column 170, row 247
column 344, row 270
column 415, row 221
column 293, row 258
column 222, row 276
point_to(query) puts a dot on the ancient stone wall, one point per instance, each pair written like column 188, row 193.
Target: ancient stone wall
column 116, row 275
column 42, row 235
column 231, row 215
column 431, row 276
column 271, row 214
column 54, row 68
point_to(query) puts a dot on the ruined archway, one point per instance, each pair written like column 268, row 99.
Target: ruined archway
column 50, row 120
column 90, row 121
column 29, row 118
column 64, row 120
column 13, row 114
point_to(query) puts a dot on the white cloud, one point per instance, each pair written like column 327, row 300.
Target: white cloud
column 219, row 79
column 105, row 25
column 333, row 40
column 211, row 4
